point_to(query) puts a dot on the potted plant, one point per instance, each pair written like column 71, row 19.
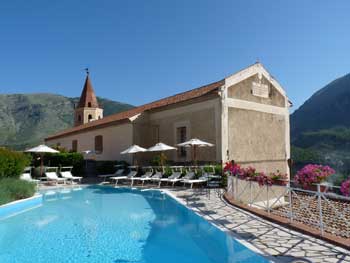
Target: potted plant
column 233, row 168
column 263, row 179
column 279, row 178
column 249, row 173
column 345, row 187
column 313, row 174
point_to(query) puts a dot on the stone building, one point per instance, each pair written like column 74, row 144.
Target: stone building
column 246, row 116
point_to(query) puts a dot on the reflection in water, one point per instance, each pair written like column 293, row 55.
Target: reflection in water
column 107, row 225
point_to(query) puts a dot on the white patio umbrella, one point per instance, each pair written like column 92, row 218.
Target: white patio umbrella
column 161, row 147
column 41, row 149
column 133, row 150
column 194, row 144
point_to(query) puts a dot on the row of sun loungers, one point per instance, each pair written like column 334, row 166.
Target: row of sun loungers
column 150, row 176
column 53, row 176
column 157, row 177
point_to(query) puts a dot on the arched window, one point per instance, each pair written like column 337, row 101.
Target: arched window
column 89, row 104
column 98, row 144
column 90, row 117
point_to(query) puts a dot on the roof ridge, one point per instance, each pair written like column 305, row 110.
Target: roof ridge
column 179, row 97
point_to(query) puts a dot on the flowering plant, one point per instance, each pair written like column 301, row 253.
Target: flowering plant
column 233, row 168
column 313, row 174
column 263, row 179
column 345, row 188
column 278, row 176
column 249, row 173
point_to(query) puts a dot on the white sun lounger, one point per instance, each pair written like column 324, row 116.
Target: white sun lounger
column 202, row 179
column 28, row 177
column 156, row 177
column 52, row 176
column 142, row 178
column 173, row 178
column 68, row 175
column 129, row 176
column 117, row 173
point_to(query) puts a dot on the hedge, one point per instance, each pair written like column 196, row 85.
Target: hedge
column 108, row 167
column 12, row 189
column 12, row 163
column 66, row 159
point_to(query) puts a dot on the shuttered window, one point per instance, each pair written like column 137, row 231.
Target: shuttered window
column 181, row 135
column 75, row 145
column 99, row 144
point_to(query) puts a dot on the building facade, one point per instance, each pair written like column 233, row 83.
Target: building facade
column 245, row 115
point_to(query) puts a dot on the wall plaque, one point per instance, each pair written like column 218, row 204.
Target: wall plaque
column 260, row 90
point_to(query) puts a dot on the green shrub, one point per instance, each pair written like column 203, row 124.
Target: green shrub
column 12, row 189
column 65, row 159
column 108, row 167
column 167, row 171
column 12, row 163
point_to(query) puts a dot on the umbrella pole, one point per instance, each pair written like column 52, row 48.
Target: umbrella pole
column 195, row 155
column 41, row 164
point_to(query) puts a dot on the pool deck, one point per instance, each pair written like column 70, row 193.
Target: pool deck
column 275, row 242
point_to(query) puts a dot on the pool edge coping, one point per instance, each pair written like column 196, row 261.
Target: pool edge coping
column 19, row 202
column 221, row 228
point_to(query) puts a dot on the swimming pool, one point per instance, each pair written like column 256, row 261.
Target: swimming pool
column 104, row 224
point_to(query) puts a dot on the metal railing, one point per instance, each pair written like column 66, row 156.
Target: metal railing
column 326, row 211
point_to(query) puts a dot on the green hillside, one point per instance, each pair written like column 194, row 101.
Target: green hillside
column 26, row 119
column 320, row 128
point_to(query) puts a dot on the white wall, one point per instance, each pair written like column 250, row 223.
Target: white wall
column 116, row 138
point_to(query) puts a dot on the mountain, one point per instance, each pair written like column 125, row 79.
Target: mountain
column 321, row 126
column 327, row 108
column 26, row 119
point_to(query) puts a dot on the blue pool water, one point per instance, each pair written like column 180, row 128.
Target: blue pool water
column 103, row 224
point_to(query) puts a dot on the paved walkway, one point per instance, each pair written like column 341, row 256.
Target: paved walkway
column 278, row 243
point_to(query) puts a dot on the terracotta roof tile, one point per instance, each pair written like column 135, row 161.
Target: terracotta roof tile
column 123, row 116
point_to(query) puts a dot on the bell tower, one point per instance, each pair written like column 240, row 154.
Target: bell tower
column 88, row 109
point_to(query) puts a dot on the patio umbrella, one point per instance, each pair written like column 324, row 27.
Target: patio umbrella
column 133, row 150
column 41, row 149
column 194, row 144
column 161, row 147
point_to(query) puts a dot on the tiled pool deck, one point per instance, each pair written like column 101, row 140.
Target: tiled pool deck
column 279, row 243
column 276, row 242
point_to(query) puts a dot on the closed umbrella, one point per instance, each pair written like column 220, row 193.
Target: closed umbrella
column 161, row 147
column 41, row 149
column 133, row 150
column 194, row 144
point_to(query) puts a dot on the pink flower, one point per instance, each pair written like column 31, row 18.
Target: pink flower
column 345, row 187
column 233, row 168
column 313, row 174
column 263, row 179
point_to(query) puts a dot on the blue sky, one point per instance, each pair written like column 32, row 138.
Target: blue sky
column 140, row 51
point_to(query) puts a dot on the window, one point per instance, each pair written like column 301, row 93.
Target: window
column 89, row 104
column 90, row 117
column 181, row 137
column 98, row 144
column 75, row 145
column 79, row 118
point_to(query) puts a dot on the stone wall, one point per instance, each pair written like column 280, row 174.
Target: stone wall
column 257, row 139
